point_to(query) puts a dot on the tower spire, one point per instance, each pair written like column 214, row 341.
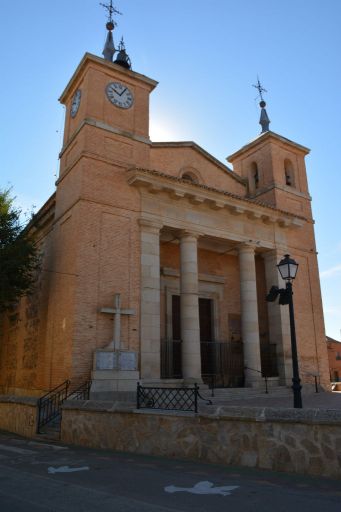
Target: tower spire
column 109, row 47
column 264, row 120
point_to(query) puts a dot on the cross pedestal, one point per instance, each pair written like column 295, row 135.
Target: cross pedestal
column 115, row 373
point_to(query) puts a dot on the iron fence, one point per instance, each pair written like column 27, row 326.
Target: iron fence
column 171, row 360
column 169, row 399
column 268, row 355
column 222, row 363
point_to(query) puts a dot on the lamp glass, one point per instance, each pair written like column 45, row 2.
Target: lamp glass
column 287, row 268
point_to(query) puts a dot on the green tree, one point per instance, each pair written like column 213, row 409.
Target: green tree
column 19, row 257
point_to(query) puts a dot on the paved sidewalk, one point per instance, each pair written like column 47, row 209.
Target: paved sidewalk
column 275, row 398
column 53, row 477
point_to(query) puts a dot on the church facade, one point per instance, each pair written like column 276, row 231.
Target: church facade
column 157, row 257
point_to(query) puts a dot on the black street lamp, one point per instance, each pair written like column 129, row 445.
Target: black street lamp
column 288, row 269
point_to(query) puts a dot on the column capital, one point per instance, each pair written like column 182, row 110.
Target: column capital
column 150, row 224
column 269, row 256
column 188, row 233
column 274, row 255
column 247, row 247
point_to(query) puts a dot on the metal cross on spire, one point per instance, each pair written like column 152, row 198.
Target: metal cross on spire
column 111, row 10
column 109, row 47
column 260, row 89
column 264, row 120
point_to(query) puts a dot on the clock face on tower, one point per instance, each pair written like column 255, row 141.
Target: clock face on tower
column 119, row 95
column 75, row 103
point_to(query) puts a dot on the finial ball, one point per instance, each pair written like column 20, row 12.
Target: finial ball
column 110, row 25
column 262, row 104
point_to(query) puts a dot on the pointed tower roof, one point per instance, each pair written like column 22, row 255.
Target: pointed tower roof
column 109, row 48
column 264, row 120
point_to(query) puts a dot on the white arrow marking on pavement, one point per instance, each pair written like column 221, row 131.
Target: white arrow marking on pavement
column 66, row 469
column 203, row 488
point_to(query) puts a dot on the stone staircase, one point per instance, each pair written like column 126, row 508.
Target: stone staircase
column 231, row 394
column 51, row 431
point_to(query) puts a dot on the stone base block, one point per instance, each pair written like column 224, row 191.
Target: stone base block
column 114, row 396
column 114, row 385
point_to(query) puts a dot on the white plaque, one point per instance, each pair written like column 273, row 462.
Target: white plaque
column 127, row 361
column 106, row 360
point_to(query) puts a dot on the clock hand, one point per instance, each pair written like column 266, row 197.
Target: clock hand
column 122, row 92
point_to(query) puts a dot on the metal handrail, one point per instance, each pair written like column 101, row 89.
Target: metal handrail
column 82, row 392
column 54, row 390
column 49, row 405
column 264, row 377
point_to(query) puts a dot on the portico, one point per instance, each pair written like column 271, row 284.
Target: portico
column 202, row 248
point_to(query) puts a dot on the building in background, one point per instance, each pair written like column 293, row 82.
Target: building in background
column 334, row 358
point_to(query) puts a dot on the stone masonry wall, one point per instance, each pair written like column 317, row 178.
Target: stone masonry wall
column 300, row 441
column 18, row 415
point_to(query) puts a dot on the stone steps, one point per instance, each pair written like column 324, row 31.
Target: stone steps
column 245, row 393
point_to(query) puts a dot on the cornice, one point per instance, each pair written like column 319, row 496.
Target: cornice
column 88, row 121
column 108, row 67
column 266, row 137
column 157, row 182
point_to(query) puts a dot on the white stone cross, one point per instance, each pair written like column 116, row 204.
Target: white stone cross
column 117, row 312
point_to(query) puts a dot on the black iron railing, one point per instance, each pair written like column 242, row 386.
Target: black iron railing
column 222, row 363
column 169, row 399
column 171, row 365
column 81, row 393
column 269, row 359
column 49, row 405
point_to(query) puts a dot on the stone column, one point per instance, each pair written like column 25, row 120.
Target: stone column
column 150, row 299
column 279, row 323
column 249, row 314
column 189, row 307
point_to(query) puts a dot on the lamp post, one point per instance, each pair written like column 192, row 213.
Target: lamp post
column 288, row 269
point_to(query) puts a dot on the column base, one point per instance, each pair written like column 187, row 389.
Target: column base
column 252, row 380
column 190, row 381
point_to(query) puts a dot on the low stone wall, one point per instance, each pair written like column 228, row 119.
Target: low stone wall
column 18, row 415
column 304, row 441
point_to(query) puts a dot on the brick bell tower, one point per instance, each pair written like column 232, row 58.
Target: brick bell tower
column 106, row 133
column 274, row 168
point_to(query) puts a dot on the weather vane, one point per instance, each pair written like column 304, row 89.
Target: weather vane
column 111, row 10
column 260, row 89
column 264, row 120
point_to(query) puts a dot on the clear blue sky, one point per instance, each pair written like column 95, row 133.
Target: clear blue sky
column 205, row 55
